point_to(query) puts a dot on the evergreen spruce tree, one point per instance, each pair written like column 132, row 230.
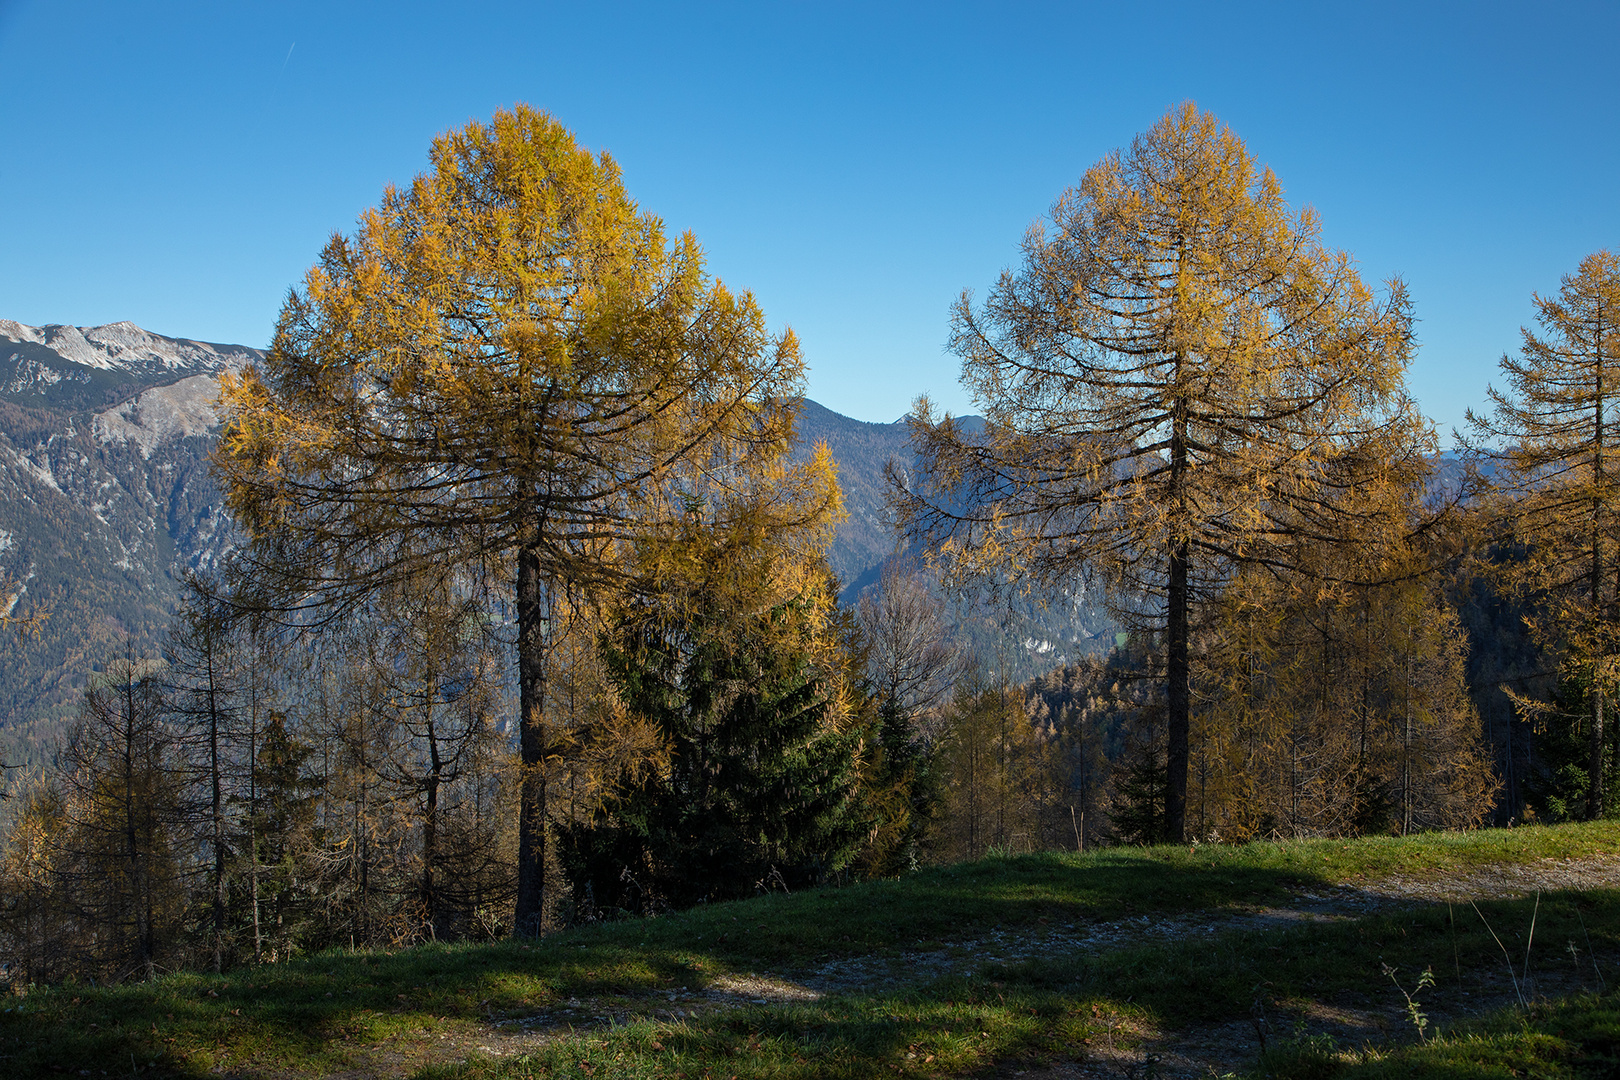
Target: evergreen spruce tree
column 280, row 815
column 760, row 772
column 1139, row 782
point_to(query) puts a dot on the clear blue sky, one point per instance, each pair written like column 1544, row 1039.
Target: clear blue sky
column 856, row 166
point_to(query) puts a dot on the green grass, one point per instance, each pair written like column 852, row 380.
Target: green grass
column 385, row 1013
column 1577, row 1038
column 1035, row 1012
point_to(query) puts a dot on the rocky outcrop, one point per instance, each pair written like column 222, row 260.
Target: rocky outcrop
column 105, row 496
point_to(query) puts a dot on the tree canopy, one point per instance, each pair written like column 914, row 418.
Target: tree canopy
column 1556, row 471
column 507, row 373
column 1165, row 381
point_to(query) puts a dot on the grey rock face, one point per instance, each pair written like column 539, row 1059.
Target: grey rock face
column 105, row 497
column 106, row 501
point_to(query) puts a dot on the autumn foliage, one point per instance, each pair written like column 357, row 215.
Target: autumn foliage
column 533, row 625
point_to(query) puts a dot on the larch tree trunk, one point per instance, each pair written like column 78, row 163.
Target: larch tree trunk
column 532, row 813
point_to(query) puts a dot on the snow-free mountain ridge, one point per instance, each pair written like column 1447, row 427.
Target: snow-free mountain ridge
column 107, row 501
column 92, row 367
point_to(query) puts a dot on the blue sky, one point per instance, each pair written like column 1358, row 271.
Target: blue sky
column 856, row 166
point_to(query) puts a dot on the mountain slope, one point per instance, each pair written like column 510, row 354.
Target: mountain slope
column 861, row 450
column 1022, row 635
column 105, row 496
column 106, row 501
column 87, row 368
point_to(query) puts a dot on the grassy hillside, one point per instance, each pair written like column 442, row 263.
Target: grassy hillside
column 1116, row 960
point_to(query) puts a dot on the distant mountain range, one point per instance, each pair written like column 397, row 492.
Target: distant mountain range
column 105, row 496
column 861, row 449
column 106, row 501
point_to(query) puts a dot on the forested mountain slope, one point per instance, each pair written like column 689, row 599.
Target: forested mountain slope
column 1021, row 635
column 105, row 496
column 861, row 450
column 106, row 501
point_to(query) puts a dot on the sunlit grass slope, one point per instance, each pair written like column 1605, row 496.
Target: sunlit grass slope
column 394, row 1014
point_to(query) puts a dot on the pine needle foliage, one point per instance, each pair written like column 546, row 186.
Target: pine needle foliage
column 758, row 783
column 1164, row 380
column 510, row 373
column 1552, row 445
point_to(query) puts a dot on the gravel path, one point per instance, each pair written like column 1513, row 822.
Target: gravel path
column 1215, row 1050
column 1324, row 905
column 1504, row 880
column 1127, row 1052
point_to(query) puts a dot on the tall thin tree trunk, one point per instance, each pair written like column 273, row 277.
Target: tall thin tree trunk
column 1406, row 753
column 361, row 926
column 1178, row 698
column 1594, row 768
column 253, row 826
column 139, row 888
column 1594, row 765
column 217, row 817
column 532, row 612
column 430, row 827
column 430, row 856
column 1178, row 602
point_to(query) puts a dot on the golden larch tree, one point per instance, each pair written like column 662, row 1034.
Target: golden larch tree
column 1550, row 438
column 509, row 373
column 1172, row 363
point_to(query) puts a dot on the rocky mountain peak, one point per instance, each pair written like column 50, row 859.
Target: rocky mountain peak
column 92, row 367
column 124, row 346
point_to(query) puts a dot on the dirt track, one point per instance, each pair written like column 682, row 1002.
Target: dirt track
column 1127, row 1052
column 1215, row 1050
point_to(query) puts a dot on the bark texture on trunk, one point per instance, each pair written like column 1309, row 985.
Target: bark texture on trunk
column 1178, row 698
column 531, row 611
